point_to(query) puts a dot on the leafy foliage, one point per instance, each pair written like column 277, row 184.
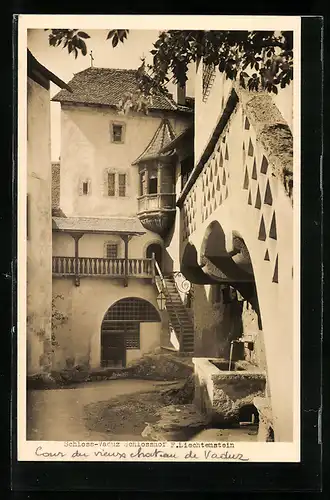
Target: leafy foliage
column 58, row 318
column 258, row 60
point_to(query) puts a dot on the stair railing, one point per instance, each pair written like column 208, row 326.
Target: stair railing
column 163, row 287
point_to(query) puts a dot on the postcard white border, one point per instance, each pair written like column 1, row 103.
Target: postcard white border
column 254, row 451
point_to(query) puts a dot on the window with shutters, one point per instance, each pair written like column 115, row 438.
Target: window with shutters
column 111, row 184
column 111, row 250
column 122, row 184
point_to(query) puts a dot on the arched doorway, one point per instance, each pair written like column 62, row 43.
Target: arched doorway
column 157, row 249
column 120, row 329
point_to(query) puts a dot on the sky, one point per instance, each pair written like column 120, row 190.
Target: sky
column 64, row 65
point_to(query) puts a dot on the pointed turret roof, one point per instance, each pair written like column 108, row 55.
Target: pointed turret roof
column 163, row 136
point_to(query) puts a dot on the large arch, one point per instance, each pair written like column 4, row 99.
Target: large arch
column 218, row 263
column 120, row 329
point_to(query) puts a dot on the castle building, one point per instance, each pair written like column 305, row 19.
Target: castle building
column 175, row 230
column 114, row 200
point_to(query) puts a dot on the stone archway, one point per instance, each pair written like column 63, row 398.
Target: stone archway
column 120, row 329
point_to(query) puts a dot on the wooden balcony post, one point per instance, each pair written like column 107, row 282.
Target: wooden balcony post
column 126, row 238
column 76, row 237
column 159, row 183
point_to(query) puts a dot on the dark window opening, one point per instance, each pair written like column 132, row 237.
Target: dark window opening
column 117, row 133
column 153, row 185
column 85, row 187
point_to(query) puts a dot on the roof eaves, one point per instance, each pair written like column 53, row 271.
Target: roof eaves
column 34, row 65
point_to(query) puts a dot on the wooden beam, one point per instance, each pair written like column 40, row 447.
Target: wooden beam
column 76, row 237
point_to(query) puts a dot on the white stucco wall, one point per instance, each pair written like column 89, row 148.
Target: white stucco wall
column 93, row 245
column 80, row 337
column 87, row 151
column 235, row 214
column 39, row 250
column 208, row 113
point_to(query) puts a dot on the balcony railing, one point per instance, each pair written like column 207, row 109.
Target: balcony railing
column 150, row 202
column 94, row 266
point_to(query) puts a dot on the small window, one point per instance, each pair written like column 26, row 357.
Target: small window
column 111, row 184
column 112, row 251
column 122, row 184
column 117, row 132
column 85, row 187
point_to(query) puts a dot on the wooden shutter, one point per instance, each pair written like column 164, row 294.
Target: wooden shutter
column 122, row 184
column 111, row 184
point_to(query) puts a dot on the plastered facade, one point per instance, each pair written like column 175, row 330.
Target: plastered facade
column 39, row 232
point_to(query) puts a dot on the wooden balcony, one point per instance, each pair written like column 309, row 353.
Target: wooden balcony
column 108, row 268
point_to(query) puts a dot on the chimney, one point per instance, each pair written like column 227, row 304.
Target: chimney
column 181, row 95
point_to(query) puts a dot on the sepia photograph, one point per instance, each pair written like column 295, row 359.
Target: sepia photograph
column 159, row 211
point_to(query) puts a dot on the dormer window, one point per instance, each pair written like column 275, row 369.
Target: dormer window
column 117, row 131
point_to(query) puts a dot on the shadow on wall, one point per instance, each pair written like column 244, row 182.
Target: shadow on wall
column 217, row 322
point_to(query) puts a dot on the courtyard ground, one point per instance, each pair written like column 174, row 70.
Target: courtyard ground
column 108, row 410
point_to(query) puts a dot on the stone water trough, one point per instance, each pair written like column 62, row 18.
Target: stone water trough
column 225, row 395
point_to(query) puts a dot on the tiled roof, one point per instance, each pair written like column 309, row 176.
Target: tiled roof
column 106, row 86
column 163, row 136
column 116, row 225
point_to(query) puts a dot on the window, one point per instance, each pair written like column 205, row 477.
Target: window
column 117, row 132
column 85, row 188
column 132, row 309
column 111, row 251
column 122, row 184
column 111, row 184
column 115, row 183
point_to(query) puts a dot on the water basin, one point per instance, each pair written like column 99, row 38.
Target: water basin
column 224, row 365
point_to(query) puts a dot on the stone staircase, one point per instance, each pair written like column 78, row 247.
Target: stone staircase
column 179, row 316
